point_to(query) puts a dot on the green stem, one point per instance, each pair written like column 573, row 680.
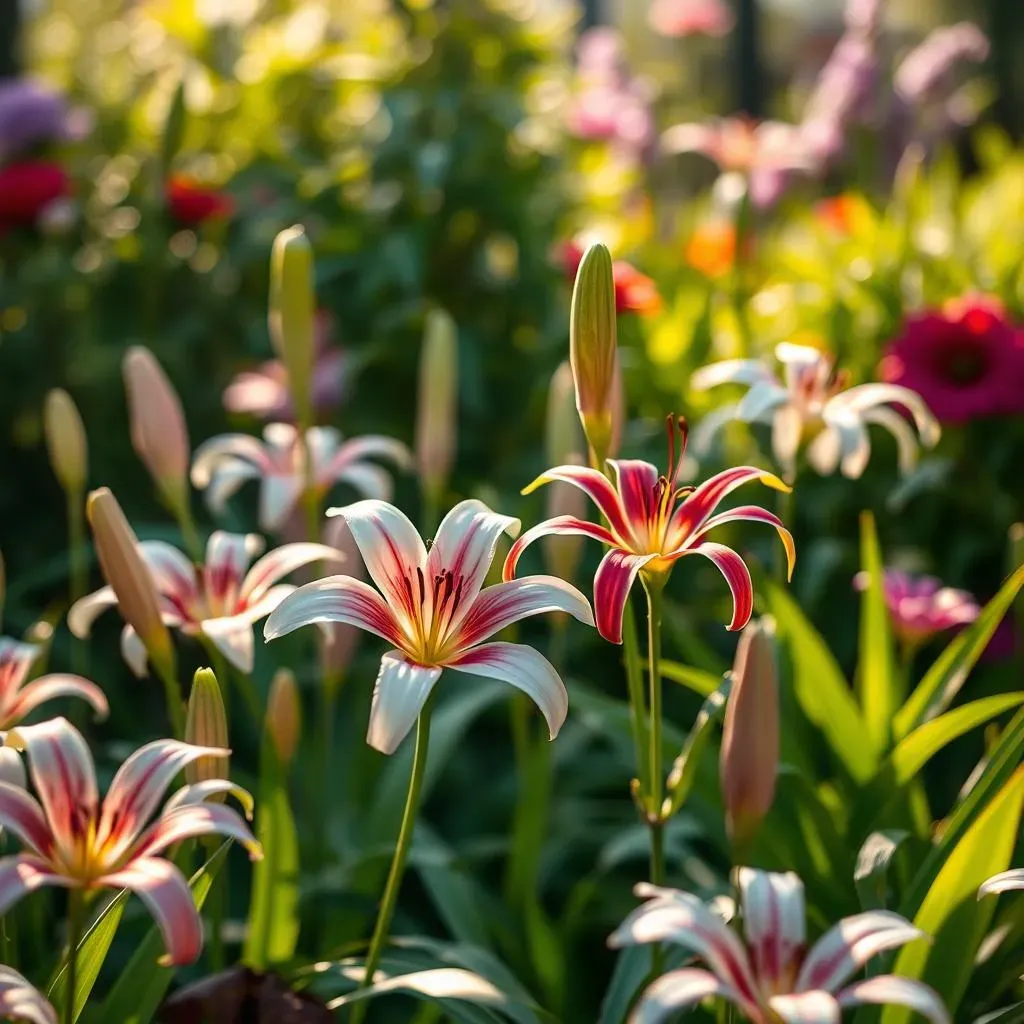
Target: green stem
column 217, row 900
column 326, row 799
column 655, row 821
column 182, row 511
column 175, row 708
column 637, row 703
column 394, row 882
column 75, row 907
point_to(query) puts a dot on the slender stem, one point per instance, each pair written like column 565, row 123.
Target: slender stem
column 175, row 708
column 75, row 907
column 326, row 798
column 394, row 882
column 78, row 583
column 310, row 499
column 655, row 821
column 182, row 510
column 637, row 703
column 217, row 900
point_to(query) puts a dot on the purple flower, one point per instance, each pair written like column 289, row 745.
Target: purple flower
column 925, row 73
column 30, row 114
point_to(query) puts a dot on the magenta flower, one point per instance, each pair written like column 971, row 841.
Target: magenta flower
column 21, row 1000
column 770, row 975
column 920, row 606
column 433, row 608
column 74, row 840
column 652, row 523
column 681, row 18
column 966, row 362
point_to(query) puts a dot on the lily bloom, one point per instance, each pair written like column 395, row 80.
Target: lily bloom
column 21, row 1000
column 810, row 397
column 74, row 840
column 222, row 464
column 1005, row 881
column 218, row 600
column 652, row 523
column 433, row 607
column 18, row 698
column 770, row 975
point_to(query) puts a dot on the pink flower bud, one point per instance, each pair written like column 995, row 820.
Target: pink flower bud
column 437, row 403
column 284, row 715
column 65, row 441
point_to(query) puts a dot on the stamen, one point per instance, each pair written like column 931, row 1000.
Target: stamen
column 458, row 595
column 682, row 492
column 408, row 590
column 423, row 587
column 670, row 428
column 684, row 435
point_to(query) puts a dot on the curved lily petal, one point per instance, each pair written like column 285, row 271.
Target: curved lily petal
column 266, row 604
column 865, row 396
column 369, row 446
column 22, row 874
column 564, row 525
column 763, row 398
column 232, row 636
column 853, row 439
column 229, row 477
column 1003, row 882
column 134, row 652
column 84, row 612
column 504, row 603
column 335, row 599
column 19, row 1000
column 596, row 486
column 698, row 507
column 526, row 670
column 200, row 792
column 171, row 570
column 163, row 889
column 227, row 557
column 368, row 480
column 752, row 513
column 888, row 989
column 906, row 439
column 12, row 770
column 21, row 814
column 850, row 944
column 773, row 920
column 279, row 494
column 787, row 433
column 58, row 685
column 731, row 371
column 807, row 1008
column 636, row 481
column 736, row 574
column 612, row 583
column 278, row 563
column 704, row 432
column 208, row 456
column 16, row 659
column 678, row 990
column 282, row 437
column 399, row 694
column 197, row 819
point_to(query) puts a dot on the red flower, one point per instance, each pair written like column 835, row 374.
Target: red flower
column 27, row 188
column 840, row 214
column 634, row 292
column 190, row 203
column 966, row 362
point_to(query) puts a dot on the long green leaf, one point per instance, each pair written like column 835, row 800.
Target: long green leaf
column 684, row 771
column 696, row 679
column 951, row 912
column 871, row 875
column 876, row 678
column 943, row 680
column 137, row 993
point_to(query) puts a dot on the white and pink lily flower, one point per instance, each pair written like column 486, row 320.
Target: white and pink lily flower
column 20, row 1000
column 770, row 975
column 433, row 608
column 218, row 600
column 652, row 523
column 1005, row 881
column 810, row 400
column 74, row 840
column 18, row 698
column 221, row 465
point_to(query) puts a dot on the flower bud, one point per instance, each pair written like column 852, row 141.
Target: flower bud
column 206, row 725
column 592, row 347
column 284, row 715
column 340, row 639
column 750, row 740
column 437, row 402
column 65, row 441
column 159, row 434
column 292, row 316
column 123, row 568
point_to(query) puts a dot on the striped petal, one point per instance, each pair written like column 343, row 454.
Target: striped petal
column 227, row 557
column 867, row 396
column 736, row 574
column 369, row 446
column 335, row 599
column 399, row 694
column 636, row 481
column 1003, row 882
column 504, row 603
column 228, row 449
column 207, row 789
column 16, row 660
column 186, row 821
column 22, row 874
column 21, row 1001
column 526, row 670
column 134, row 652
column 232, row 636
column 807, row 1008
column 612, row 582
column 21, row 814
column 730, row 371
column 48, row 687
column 773, row 920
column 84, row 612
column 163, row 889
column 563, row 525
column 277, row 564
column 678, row 990
column 279, row 494
column 228, row 478
column 596, row 486
column 886, row 989
column 849, row 945
column 172, row 571
column 755, row 514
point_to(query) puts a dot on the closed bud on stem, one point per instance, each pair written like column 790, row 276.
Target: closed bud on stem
column 284, row 715
column 292, row 316
column 158, row 430
column 206, row 725
column 437, row 402
column 750, row 740
column 65, row 441
column 123, row 568
column 592, row 347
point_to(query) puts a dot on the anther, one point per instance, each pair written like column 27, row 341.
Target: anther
column 423, row 588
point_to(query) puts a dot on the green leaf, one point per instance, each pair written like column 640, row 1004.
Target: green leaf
column 1007, row 1015
column 174, row 129
column 702, row 683
column 273, row 927
column 876, row 678
column 821, row 688
column 632, row 968
column 684, row 770
column 139, row 990
column 873, row 862
column 92, row 951
column 943, row 680
column 951, row 912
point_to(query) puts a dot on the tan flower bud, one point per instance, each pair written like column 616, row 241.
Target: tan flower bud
column 437, row 402
column 750, row 741
column 284, row 715
column 123, row 568
column 292, row 314
column 206, row 725
column 65, row 441
column 592, row 347
column 159, row 433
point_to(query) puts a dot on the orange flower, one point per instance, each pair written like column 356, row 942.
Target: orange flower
column 712, row 248
column 634, row 292
column 839, row 214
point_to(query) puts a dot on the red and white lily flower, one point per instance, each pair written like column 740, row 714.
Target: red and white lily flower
column 21, row 1000
column 74, row 840
column 218, row 600
column 652, row 523
column 433, row 607
column 770, row 975
column 18, row 698
column 222, row 464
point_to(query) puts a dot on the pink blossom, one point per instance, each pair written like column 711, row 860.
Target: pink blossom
column 679, row 18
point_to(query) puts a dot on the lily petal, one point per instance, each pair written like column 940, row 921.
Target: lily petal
column 763, row 398
column 866, row 396
column 526, row 670
column 12, row 769
column 636, row 481
column 196, row 819
column 1003, row 882
column 849, row 945
column 134, row 652
column 368, row 480
column 697, row 508
column 731, row 371
column 678, row 990
column 888, row 989
column 47, row 687
column 23, row 873
column 906, row 439
column 212, row 454
column 279, row 494
column 560, row 525
column 807, row 1008
column 612, row 583
column 229, row 477
column 399, row 694
column 736, row 574
column 86, row 610
column 596, row 486
column 200, row 792
column 756, row 514
column 163, row 889
column 16, row 660
column 232, row 636
column 21, row 814
column 369, row 446
column 20, row 1000
column 787, row 433
column 227, row 557
column 172, row 571
column 704, row 432
column 277, row 564
column 773, row 920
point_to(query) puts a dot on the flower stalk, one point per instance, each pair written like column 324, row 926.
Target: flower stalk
column 76, row 907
